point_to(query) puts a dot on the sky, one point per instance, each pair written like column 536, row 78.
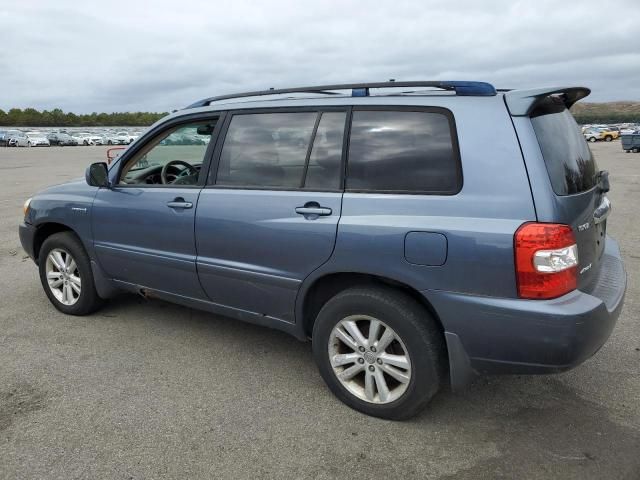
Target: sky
column 107, row 56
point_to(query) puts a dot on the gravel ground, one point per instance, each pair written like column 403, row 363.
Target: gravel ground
column 145, row 389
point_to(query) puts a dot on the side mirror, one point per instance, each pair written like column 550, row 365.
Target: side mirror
column 97, row 175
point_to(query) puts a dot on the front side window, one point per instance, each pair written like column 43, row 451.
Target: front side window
column 174, row 157
column 403, row 151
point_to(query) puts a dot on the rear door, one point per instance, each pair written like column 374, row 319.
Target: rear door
column 577, row 197
column 269, row 215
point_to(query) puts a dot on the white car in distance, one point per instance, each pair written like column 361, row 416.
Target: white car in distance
column 125, row 138
column 37, row 139
column 83, row 138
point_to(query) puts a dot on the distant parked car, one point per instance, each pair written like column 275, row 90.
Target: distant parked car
column 630, row 130
column 592, row 134
column 16, row 138
column 37, row 139
column 112, row 139
column 608, row 133
column 125, row 138
column 62, row 139
column 83, row 138
column 96, row 138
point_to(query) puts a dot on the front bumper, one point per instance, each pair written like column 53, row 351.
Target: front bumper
column 505, row 335
column 27, row 234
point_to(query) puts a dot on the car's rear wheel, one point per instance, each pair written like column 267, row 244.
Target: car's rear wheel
column 593, row 139
column 608, row 138
column 379, row 351
column 66, row 276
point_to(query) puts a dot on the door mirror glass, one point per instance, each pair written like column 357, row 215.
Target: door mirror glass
column 97, row 175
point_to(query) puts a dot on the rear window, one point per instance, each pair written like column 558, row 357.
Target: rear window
column 570, row 164
column 403, row 151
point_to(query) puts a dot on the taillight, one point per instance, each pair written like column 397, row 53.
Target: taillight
column 546, row 260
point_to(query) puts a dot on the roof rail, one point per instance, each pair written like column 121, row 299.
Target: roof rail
column 362, row 89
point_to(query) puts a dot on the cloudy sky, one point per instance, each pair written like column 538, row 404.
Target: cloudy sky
column 86, row 56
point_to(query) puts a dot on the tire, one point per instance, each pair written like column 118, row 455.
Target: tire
column 608, row 138
column 417, row 336
column 593, row 139
column 86, row 300
column 85, row 143
column 109, row 142
column 29, row 144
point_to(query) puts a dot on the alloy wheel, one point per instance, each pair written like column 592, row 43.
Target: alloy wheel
column 369, row 359
column 63, row 276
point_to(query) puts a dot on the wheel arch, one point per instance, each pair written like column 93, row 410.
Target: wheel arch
column 321, row 289
column 44, row 231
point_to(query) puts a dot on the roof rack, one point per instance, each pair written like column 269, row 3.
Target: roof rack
column 362, row 89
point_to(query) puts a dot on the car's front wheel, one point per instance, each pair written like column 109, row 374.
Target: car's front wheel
column 379, row 351
column 66, row 276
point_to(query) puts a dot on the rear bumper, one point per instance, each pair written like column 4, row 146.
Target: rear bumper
column 503, row 335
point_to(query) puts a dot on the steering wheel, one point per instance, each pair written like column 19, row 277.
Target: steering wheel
column 165, row 170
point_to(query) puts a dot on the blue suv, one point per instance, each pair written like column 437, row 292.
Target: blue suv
column 418, row 233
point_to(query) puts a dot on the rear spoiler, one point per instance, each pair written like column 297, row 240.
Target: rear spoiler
column 521, row 102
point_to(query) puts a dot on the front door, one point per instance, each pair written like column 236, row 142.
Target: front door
column 270, row 213
column 143, row 226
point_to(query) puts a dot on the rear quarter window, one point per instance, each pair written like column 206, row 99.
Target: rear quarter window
column 403, row 152
column 569, row 161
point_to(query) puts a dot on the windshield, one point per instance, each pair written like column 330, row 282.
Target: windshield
column 570, row 164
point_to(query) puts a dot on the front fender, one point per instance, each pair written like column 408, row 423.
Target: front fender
column 69, row 205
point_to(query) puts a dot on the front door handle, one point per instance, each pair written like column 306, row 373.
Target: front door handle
column 313, row 210
column 179, row 203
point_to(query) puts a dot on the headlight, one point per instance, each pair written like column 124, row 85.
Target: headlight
column 25, row 207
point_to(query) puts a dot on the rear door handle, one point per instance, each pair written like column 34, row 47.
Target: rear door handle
column 179, row 203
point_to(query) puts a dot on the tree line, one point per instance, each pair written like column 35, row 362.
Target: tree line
column 30, row 117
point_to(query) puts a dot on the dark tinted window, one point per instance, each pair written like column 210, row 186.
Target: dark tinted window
column 402, row 151
column 570, row 164
column 266, row 150
column 325, row 161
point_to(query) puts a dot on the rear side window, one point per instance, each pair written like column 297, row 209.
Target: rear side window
column 403, row 151
column 570, row 164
